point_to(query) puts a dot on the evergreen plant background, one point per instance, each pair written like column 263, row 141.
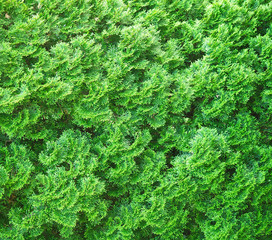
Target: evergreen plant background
column 136, row 119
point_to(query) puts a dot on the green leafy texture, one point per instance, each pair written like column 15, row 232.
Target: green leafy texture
column 135, row 119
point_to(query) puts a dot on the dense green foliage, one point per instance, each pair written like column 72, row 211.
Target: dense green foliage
column 136, row 119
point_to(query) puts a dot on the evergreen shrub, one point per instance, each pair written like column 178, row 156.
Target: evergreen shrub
column 136, row 119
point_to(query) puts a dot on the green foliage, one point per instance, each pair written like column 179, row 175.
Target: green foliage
column 135, row 119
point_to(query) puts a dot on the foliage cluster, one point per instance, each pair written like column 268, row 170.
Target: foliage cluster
column 136, row 119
